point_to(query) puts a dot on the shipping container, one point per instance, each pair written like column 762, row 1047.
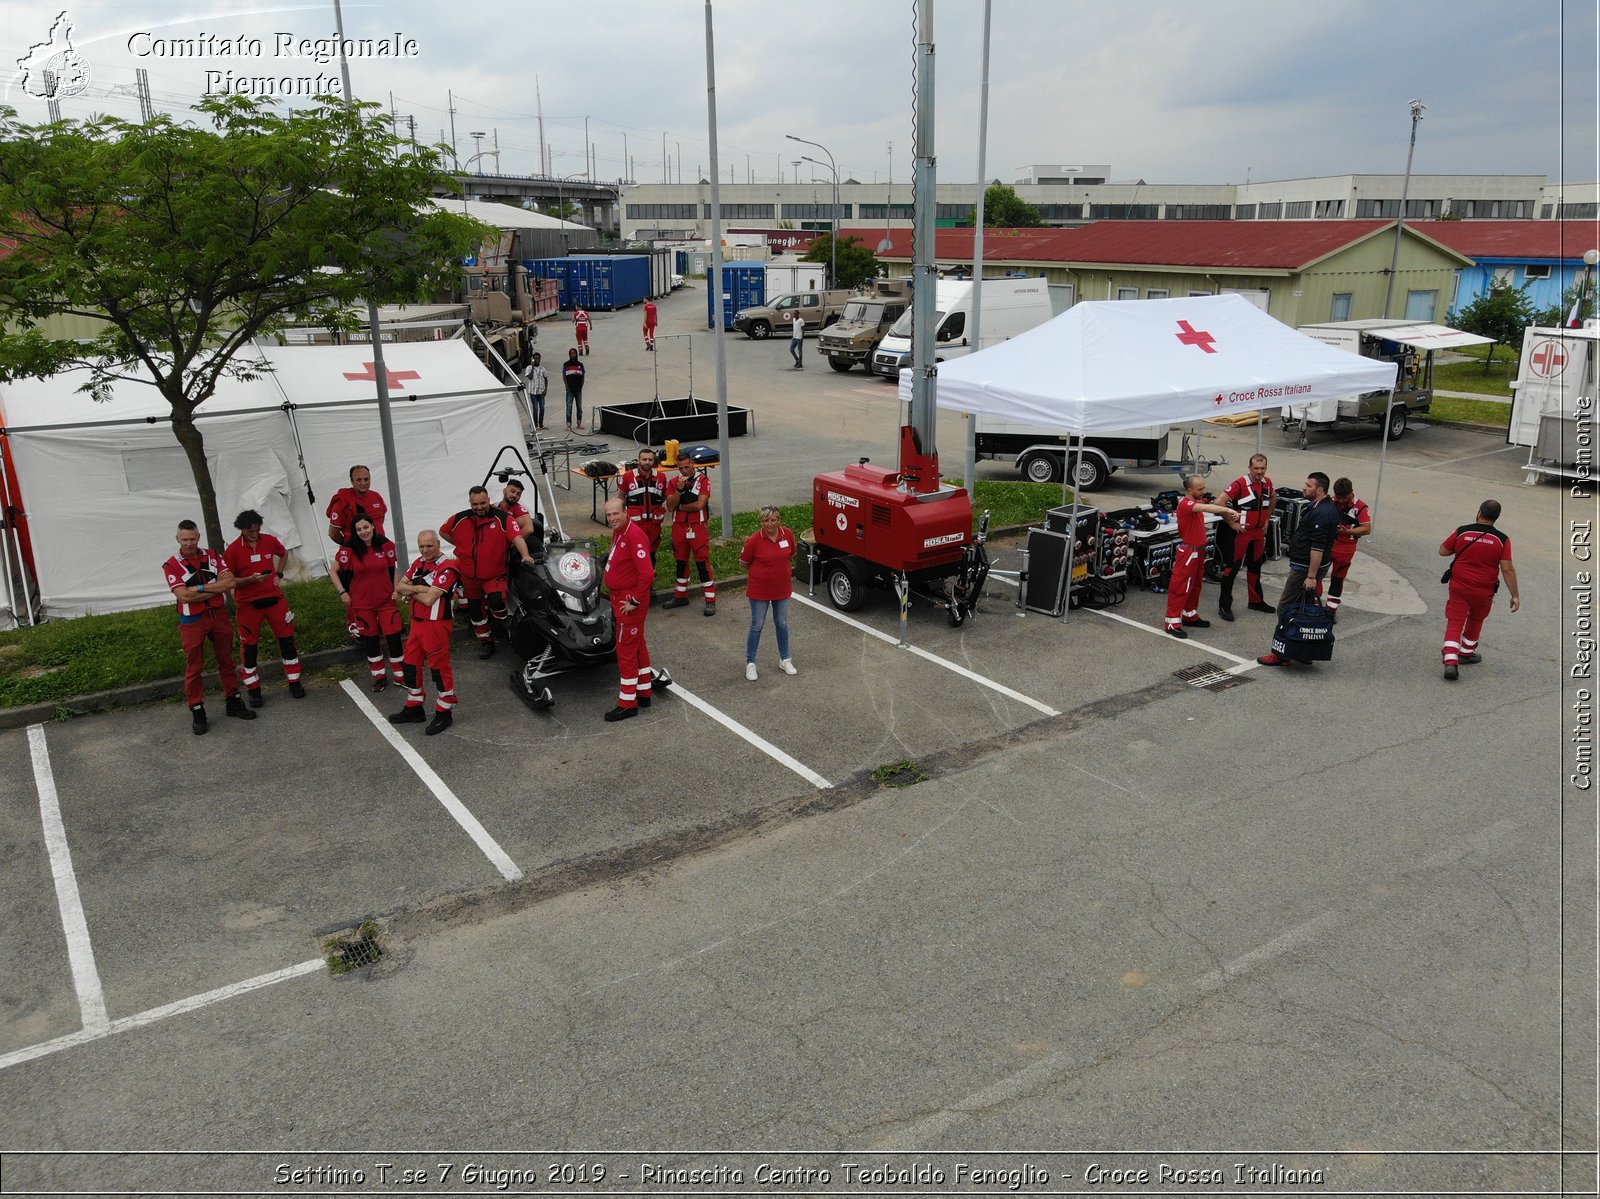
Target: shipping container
column 790, row 276
column 610, row 281
column 558, row 269
column 744, row 285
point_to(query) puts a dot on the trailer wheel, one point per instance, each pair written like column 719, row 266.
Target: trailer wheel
column 759, row 331
column 842, row 365
column 847, row 584
column 1397, row 424
column 1092, row 473
column 1040, row 467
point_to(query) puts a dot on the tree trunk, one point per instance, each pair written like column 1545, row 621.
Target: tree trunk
column 1489, row 357
column 183, row 428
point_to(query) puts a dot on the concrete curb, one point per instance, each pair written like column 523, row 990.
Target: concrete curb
column 1469, row 426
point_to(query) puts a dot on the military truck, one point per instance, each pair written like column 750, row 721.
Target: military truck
column 817, row 308
column 852, row 338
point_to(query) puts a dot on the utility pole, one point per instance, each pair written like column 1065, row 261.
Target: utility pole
column 1417, row 107
column 455, row 158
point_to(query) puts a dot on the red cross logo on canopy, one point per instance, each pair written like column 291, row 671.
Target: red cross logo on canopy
column 1549, row 358
column 1191, row 338
column 393, row 378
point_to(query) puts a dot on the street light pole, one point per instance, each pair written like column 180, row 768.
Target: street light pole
column 1417, row 107
column 833, row 214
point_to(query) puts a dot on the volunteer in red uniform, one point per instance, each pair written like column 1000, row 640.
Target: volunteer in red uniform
column 649, row 324
column 1254, row 497
column 427, row 584
column 643, row 489
column 1355, row 522
column 482, row 535
column 580, row 326
column 1189, row 560
column 511, row 504
column 256, row 560
column 358, row 499
column 364, row 572
column 1482, row 557
column 199, row 579
column 630, row 573
column 689, row 501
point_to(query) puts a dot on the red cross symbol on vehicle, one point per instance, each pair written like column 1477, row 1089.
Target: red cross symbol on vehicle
column 393, row 378
column 1549, row 359
column 1190, row 338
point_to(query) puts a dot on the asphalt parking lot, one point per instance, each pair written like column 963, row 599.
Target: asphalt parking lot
column 1327, row 906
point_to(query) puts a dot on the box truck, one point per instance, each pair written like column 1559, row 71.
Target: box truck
column 1010, row 306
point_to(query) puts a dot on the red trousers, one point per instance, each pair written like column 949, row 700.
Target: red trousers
column 1249, row 552
column 1344, row 553
column 650, row 528
column 1183, row 592
column 277, row 618
column 633, row 655
column 215, row 627
column 429, row 646
column 1464, row 614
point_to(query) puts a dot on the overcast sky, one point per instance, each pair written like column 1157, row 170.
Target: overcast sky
column 1214, row 91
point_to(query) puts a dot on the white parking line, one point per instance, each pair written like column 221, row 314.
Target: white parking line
column 140, row 1019
column 491, row 848
column 1244, row 664
column 80, row 952
column 934, row 658
column 754, row 738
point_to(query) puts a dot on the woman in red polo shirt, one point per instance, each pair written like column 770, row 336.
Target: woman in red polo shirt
column 768, row 555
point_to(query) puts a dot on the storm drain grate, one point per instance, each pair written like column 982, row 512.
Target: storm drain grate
column 1208, row 677
column 353, row 950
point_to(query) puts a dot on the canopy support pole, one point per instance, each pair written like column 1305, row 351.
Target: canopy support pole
column 1075, row 463
column 1383, row 453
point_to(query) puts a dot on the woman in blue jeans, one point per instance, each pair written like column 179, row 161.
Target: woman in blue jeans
column 768, row 555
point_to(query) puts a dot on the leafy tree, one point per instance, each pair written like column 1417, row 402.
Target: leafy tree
column 1557, row 315
column 191, row 242
column 1004, row 209
column 1502, row 313
column 856, row 263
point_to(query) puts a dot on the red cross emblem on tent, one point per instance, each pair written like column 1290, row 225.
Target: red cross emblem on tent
column 393, row 378
column 1549, row 358
column 1190, row 337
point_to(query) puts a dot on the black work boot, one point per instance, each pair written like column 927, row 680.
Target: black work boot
column 236, row 708
column 198, row 713
column 256, row 698
column 412, row 714
column 440, row 722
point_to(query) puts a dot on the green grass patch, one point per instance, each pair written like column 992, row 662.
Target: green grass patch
column 1470, row 376
column 61, row 659
column 1472, row 412
column 904, row 773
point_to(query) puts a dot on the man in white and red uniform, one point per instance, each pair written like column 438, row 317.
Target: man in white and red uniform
column 1355, row 522
column 580, row 326
column 256, row 560
column 358, row 499
column 482, row 536
column 199, row 579
column 1189, row 560
column 630, row 574
column 1482, row 556
column 649, row 324
column 689, row 501
column 643, row 489
column 1254, row 497
column 427, row 584
column 511, row 504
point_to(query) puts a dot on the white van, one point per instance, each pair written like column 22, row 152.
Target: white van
column 1010, row 306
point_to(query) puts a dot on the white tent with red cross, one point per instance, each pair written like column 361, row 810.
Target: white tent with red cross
column 1103, row 366
column 94, row 489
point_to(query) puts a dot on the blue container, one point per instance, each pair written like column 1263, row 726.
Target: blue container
column 680, row 260
column 608, row 281
column 558, row 269
column 744, row 285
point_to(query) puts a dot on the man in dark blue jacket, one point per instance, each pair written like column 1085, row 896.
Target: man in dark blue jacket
column 1310, row 555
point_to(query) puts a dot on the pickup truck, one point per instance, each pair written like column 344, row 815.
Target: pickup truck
column 818, row 308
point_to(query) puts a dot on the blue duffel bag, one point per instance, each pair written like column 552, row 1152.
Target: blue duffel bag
column 1306, row 634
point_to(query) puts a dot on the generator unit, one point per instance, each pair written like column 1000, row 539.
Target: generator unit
column 874, row 526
